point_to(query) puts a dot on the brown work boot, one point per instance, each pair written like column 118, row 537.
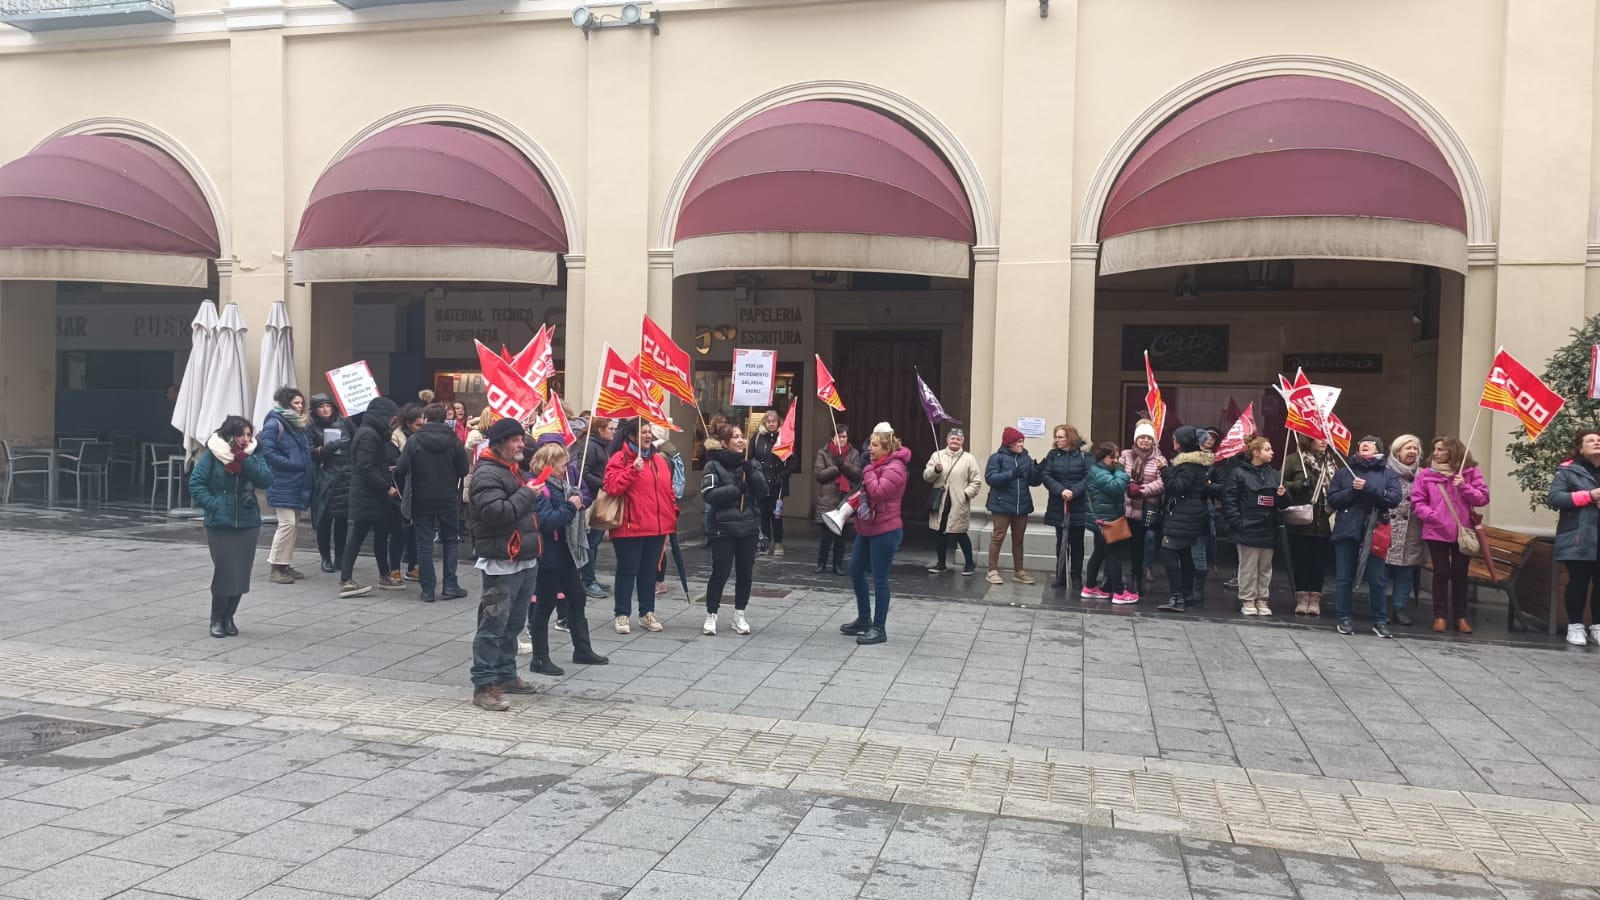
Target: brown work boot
column 516, row 686
column 280, row 575
column 489, row 697
column 293, row 573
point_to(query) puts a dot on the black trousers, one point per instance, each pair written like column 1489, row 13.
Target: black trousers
column 1583, row 580
column 832, row 546
column 1069, row 552
column 358, row 536
column 963, row 541
column 1113, row 557
column 568, row 608
column 1309, row 554
column 1136, row 552
column 331, row 534
column 771, row 522
column 736, row 555
column 1180, row 569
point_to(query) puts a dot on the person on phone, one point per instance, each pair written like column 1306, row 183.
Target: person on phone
column 1575, row 494
column 1442, row 499
column 564, row 540
column 642, row 477
column 224, row 484
column 1107, row 483
column 330, row 503
column 1360, row 492
column 733, row 487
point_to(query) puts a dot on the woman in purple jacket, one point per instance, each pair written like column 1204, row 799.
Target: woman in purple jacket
column 878, row 532
column 1442, row 499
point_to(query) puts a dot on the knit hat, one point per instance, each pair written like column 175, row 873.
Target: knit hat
column 1187, row 438
column 883, row 428
column 504, row 430
column 1144, row 429
column 956, row 432
column 550, row 437
column 1010, row 436
column 1377, row 441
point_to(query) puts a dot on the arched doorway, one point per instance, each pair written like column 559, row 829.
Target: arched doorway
column 422, row 238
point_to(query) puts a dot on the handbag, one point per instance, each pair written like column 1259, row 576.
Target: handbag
column 1303, row 514
column 1466, row 537
column 1382, row 540
column 1116, row 531
column 936, row 501
column 607, row 512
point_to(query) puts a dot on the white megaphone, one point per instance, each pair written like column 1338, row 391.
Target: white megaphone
column 839, row 517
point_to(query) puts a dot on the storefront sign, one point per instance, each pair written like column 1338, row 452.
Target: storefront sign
column 1175, row 348
column 456, row 319
column 124, row 326
column 353, row 386
column 781, row 320
column 1346, row 363
column 755, row 373
column 1030, row 427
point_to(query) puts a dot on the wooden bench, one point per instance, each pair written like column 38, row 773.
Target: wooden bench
column 1510, row 550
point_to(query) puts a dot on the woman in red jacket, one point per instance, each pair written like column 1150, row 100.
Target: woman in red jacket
column 650, row 512
column 878, row 533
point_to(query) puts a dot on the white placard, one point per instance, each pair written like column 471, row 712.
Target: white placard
column 755, row 374
column 1030, row 427
column 353, row 386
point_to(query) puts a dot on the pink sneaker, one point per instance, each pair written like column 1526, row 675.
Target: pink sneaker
column 1124, row 598
column 1094, row 593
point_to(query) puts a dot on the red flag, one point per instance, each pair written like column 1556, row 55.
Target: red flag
column 1243, row 427
column 1152, row 399
column 784, row 448
column 508, row 393
column 623, row 393
column 1339, row 435
column 536, row 363
column 1511, row 388
column 664, row 362
column 827, row 391
column 553, row 420
column 1304, row 415
column 657, row 392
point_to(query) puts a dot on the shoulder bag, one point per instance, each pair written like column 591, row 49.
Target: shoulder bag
column 1466, row 537
column 1116, row 531
column 607, row 512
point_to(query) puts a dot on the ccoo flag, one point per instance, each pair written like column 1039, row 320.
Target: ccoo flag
column 508, row 393
column 784, row 448
column 623, row 393
column 1233, row 443
column 664, row 362
column 1511, row 388
column 827, row 391
column 552, row 420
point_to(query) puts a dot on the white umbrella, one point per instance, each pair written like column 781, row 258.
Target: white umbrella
column 227, row 386
column 277, row 361
column 191, row 391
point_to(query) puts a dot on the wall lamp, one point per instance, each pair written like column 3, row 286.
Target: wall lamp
column 629, row 16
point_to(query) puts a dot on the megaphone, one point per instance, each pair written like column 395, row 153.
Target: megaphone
column 840, row 516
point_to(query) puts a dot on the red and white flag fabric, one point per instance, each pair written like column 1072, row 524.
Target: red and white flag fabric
column 508, row 393
column 827, row 391
column 1243, row 427
column 1152, row 399
column 657, row 392
column 553, row 420
column 1338, row 435
column 623, row 393
column 537, row 363
column 784, row 448
column 1594, row 372
column 1511, row 388
column 1303, row 414
column 664, row 362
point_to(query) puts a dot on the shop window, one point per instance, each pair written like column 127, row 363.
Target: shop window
column 114, row 370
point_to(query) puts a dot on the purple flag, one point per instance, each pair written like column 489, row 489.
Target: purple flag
column 931, row 407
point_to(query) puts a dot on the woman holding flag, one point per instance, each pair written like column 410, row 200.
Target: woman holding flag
column 1308, row 475
column 642, row 477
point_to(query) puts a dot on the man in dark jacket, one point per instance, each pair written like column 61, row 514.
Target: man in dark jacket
column 372, row 496
column 1365, row 487
column 501, row 510
column 330, row 435
column 1187, row 498
column 435, row 460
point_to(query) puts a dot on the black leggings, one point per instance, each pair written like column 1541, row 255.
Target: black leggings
column 568, row 608
column 1070, row 552
column 1113, row 557
column 357, row 537
column 1309, row 554
column 963, row 541
column 1135, row 552
column 1583, row 578
column 832, row 546
column 735, row 554
column 771, row 522
column 331, row 534
column 1180, row 570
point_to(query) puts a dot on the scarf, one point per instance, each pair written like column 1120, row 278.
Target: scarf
column 1405, row 472
column 298, row 420
column 842, row 482
column 1443, row 469
column 222, row 450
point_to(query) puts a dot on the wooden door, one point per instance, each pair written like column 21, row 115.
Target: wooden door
column 876, row 372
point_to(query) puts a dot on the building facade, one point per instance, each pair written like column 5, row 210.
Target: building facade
column 1014, row 198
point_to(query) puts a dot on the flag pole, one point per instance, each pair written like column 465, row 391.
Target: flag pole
column 594, row 404
column 1474, row 432
column 1288, row 435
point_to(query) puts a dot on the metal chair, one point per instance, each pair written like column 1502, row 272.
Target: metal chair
column 22, row 464
column 161, row 466
column 92, row 462
column 125, row 452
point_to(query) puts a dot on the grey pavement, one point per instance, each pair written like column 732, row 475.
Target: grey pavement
column 183, row 809
column 1491, row 719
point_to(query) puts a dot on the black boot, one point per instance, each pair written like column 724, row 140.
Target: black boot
column 328, row 567
column 822, row 559
column 1197, row 597
column 219, row 606
column 543, row 666
column 859, row 626
column 227, row 615
column 873, row 635
column 582, row 650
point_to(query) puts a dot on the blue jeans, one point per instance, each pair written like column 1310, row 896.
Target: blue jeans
column 879, row 550
column 587, row 572
column 1403, row 579
column 1346, row 554
column 447, row 525
column 502, row 613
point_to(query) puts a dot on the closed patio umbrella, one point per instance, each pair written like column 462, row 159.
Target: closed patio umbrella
column 227, row 390
column 191, row 391
column 277, row 361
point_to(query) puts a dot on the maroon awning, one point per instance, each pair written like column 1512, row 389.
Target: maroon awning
column 96, row 207
column 430, row 202
column 823, row 184
column 1293, row 166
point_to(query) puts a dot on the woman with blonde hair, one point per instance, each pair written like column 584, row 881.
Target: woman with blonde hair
column 1406, row 550
column 564, row 548
column 878, row 533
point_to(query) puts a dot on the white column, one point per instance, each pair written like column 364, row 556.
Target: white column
column 28, row 362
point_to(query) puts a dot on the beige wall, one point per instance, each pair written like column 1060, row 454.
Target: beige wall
column 262, row 100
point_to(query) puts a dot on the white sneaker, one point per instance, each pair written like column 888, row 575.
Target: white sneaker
column 1248, row 609
column 622, row 624
column 740, row 626
column 711, row 624
column 1594, row 634
column 524, row 645
column 1575, row 636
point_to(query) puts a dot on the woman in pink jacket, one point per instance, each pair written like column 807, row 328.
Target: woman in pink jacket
column 1442, row 499
column 878, row 533
column 1143, row 462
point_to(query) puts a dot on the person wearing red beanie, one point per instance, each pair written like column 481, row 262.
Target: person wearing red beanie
column 1010, row 474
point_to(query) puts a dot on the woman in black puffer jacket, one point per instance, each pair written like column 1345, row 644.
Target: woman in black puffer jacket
column 1252, row 497
column 734, row 488
column 1186, row 483
column 1065, row 470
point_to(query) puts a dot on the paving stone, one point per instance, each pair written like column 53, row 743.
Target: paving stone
column 481, row 868
column 356, row 810
column 798, row 884
column 601, row 863
column 242, row 814
column 636, row 828
column 936, row 839
column 544, row 887
column 293, row 841
column 413, row 837
column 45, row 845
column 167, row 845
column 677, row 886
column 83, row 878
column 219, row 876
column 893, row 881
column 352, row 872
column 717, row 859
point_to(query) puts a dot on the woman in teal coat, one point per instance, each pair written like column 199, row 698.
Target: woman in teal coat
column 1108, row 486
column 224, row 484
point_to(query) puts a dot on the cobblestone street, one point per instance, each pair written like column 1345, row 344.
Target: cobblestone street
column 987, row 750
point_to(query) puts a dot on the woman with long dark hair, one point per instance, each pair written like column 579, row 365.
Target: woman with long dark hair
column 1442, row 499
column 1575, row 494
column 224, row 484
column 642, row 478
column 1107, row 484
column 330, row 435
column 286, row 449
column 1308, row 475
column 734, row 487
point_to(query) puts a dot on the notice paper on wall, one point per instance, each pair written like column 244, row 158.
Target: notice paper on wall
column 1030, row 427
column 353, row 386
column 755, row 374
